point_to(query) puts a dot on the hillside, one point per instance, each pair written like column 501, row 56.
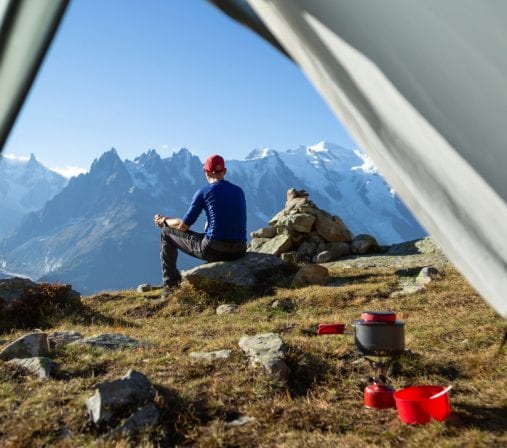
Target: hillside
column 452, row 338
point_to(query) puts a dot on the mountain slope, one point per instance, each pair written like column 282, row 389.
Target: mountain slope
column 25, row 186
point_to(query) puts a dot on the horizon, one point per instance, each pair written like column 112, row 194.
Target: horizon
column 73, row 171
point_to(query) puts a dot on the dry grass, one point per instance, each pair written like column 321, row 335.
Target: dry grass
column 453, row 337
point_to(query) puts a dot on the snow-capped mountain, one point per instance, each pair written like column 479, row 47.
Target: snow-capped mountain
column 25, row 186
column 97, row 233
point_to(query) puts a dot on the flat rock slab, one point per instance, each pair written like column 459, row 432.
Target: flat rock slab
column 252, row 272
column 40, row 366
column 111, row 341
column 28, row 346
column 111, row 397
column 62, row 338
column 266, row 350
column 211, row 356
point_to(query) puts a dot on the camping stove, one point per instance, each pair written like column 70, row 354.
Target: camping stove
column 380, row 335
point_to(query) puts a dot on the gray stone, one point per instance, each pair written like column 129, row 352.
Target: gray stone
column 329, row 227
column 311, row 274
column 306, row 249
column 256, row 243
column 39, row 365
column 211, row 356
column 266, row 350
column 338, row 249
column 252, row 272
column 130, row 391
column 62, row 338
column 144, row 287
column 276, row 245
column 241, row 420
column 426, row 275
column 28, row 346
column 284, row 305
column 364, row 244
column 227, row 308
column 323, row 257
column 292, row 193
column 300, row 222
column 265, row 232
column 291, row 257
column 111, row 341
column 146, row 417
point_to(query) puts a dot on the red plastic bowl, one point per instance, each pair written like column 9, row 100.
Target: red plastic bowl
column 415, row 407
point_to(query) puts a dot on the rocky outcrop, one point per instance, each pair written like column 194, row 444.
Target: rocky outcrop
column 303, row 233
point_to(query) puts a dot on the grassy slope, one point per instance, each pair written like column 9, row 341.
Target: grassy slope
column 453, row 337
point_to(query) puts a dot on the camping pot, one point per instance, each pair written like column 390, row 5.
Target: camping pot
column 377, row 333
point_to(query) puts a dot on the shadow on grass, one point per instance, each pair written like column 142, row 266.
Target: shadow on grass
column 492, row 419
column 306, row 371
column 413, row 365
column 85, row 315
column 92, row 370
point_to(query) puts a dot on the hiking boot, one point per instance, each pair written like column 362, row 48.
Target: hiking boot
column 169, row 291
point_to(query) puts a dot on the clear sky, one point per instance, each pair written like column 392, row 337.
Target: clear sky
column 165, row 74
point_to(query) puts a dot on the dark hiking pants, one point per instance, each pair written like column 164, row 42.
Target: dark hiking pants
column 196, row 245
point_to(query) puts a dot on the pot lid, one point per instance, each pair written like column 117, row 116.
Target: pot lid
column 378, row 316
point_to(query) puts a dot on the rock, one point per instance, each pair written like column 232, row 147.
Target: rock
column 291, row 257
column 276, row 245
column 250, row 274
column 144, row 287
column 301, row 222
column 111, row 341
column 284, row 305
column 241, row 420
column 211, row 356
column 28, row 346
column 62, row 338
column 294, row 205
column 112, row 397
column 306, row 249
column 323, row 257
column 256, row 243
column 12, row 292
column 311, row 274
column 426, row 275
column 265, row 232
column 292, row 193
column 146, row 417
column 422, row 246
column 364, row 244
column 266, row 350
column 39, row 365
column 227, row 308
column 332, row 228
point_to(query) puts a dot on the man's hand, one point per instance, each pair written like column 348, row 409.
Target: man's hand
column 159, row 220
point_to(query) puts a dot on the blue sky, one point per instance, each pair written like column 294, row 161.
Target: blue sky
column 165, row 74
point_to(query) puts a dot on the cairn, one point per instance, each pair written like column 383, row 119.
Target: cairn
column 303, row 233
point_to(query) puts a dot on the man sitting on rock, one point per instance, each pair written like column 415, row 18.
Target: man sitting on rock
column 225, row 231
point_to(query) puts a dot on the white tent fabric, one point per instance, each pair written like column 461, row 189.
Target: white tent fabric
column 422, row 86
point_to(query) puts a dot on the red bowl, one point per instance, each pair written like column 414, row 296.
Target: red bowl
column 415, row 407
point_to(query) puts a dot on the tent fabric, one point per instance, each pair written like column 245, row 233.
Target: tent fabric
column 26, row 30
column 421, row 87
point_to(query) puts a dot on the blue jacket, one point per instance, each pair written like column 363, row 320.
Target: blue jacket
column 225, row 207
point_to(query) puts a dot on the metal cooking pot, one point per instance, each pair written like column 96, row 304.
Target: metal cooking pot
column 377, row 333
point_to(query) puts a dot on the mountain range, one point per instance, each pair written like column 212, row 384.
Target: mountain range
column 97, row 232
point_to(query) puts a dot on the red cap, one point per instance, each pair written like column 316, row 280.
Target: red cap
column 214, row 164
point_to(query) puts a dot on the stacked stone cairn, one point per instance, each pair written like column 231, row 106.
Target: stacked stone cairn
column 303, row 233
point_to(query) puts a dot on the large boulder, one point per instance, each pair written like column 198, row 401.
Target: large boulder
column 250, row 274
